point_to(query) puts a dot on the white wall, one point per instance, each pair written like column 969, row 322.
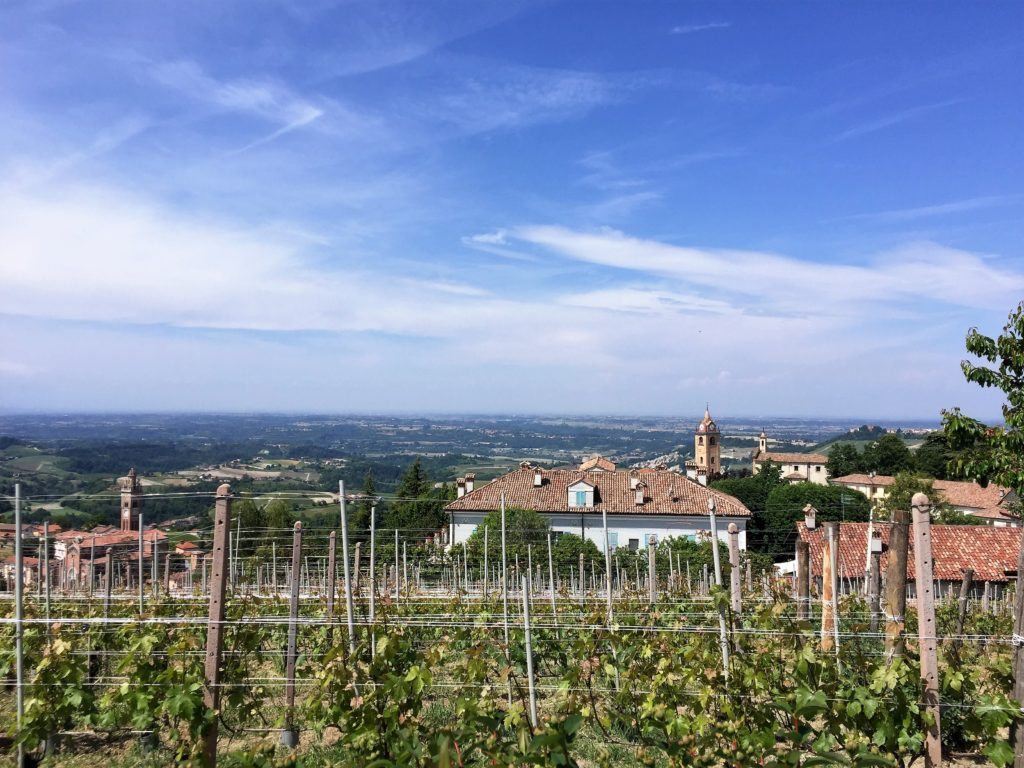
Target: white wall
column 626, row 526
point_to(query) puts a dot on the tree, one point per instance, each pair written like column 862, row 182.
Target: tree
column 418, row 511
column 786, row 506
column 934, row 455
column 888, row 455
column 249, row 515
column 902, row 490
column 279, row 516
column 753, row 492
column 992, row 453
column 359, row 518
column 566, row 553
column 843, row 459
column 523, row 528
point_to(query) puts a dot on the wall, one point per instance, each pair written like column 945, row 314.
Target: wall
column 589, row 525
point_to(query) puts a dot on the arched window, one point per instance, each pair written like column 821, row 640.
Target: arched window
column 711, row 440
column 700, row 441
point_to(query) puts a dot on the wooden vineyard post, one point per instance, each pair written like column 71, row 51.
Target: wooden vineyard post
column 1017, row 729
column 607, row 567
column 504, row 576
column 332, row 568
column 373, row 577
column 289, row 736
column 803, row 580
column 167, row 574
column 92, row 565
column 142, row 593
column 961, row 618
column 485, row 574
column 357, row 567
column 723, row 639
column 581, row 585
column 551, row 582
column 896, row 583
column 19, row 628
column 215, row 622
column 926, row 628
column 874, row 588
column 734, row 569
column 828, row 592
column 652, row 573
column 344, row 568
column 529, row 653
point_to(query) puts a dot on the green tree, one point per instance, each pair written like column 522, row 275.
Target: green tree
column 888, row 455
column 359, row 517
column 523, row 528
column 993, row 453
column 753, row 492
column 934, row 455
column 566, row 553
column 843, row 459
column 279, row 515
column 248, row 514
column 786, row 506
column 418, row 510
column 902, row 490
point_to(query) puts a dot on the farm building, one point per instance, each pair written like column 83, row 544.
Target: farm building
column 639, row 503
column 992, row 553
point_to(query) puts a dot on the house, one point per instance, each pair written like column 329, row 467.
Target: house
column 796, row 467
column 191, row 551
column 992, row 553
column 639, row 503
column 994, row 503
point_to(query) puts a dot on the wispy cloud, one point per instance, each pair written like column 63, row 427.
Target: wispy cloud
column 941, row 209
column 890, row 120
column 688, row 29
column 270, row 101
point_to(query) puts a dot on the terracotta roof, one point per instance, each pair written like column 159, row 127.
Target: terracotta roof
column 794, row 476
column 959, row 493
column 667, row 493
column 791, row 458
column 598, row 462
column 187, row 545
column 114, row 539
column 989, row 550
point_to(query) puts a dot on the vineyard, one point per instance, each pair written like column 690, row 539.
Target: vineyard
column 408, row 655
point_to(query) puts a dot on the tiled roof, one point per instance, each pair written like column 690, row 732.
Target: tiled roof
column 791, row 458
column 959, row 493
column 989, row 550
column 598, row 462
column 667, row 493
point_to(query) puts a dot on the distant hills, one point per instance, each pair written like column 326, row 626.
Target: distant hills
column 866, row 433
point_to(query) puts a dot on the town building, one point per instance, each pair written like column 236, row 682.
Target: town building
column 993, row 503
column 796, row 467
column 639, row 503
column 992, row 553
column 707, row 450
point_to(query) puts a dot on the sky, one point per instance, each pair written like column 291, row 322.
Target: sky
column 792, row 209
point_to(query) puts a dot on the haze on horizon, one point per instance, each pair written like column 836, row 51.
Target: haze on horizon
column 508, row 207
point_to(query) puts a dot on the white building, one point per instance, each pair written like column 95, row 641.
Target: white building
column 796, row 467
column 638, row 502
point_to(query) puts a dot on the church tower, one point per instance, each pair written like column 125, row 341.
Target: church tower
column 707, row 446
column 131, row 500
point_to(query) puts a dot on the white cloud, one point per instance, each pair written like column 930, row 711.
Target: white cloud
column 920, row 272
column 940, row 209
column 887, row 121
column 689, row 29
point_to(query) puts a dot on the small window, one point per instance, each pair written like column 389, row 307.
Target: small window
column 613, row 540
column 712, row 459
column 634, row 545
column 796, row 468
column 581, row 499
column 700, row 441
column 817, row 468
column 711, row 441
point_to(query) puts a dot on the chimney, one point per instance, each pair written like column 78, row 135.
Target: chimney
column 470, row 479
column 460, row 487
column 640, row 493
column 538, row 478
column 633, row 480
column 809, row 515
column 876, row 541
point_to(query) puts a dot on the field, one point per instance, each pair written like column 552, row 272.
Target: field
column 442, row 666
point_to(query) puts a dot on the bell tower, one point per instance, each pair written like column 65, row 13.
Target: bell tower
column 131, row 500
column 707, row 445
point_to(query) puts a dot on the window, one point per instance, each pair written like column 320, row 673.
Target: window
column 634, row 545
column 581, row 499
column 712, row 459
column 613, row 540
column 711, row 441
column 796, row 467
column 700, row 441
column 817, row 468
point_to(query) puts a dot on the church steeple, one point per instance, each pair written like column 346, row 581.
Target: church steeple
column 707, row 448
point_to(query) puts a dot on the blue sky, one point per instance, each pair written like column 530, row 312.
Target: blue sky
column 784, row 208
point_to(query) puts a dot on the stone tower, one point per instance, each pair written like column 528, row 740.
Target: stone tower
column 131, row 500
column 707, row 446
